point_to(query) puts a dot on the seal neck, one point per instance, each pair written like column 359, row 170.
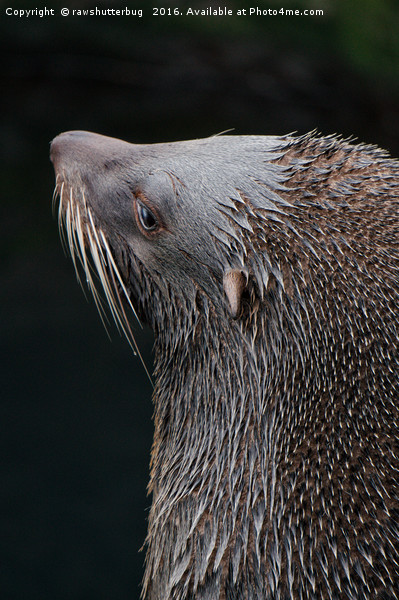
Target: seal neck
column 216, row 406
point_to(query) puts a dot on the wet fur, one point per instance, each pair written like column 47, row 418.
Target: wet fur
column 274, row 469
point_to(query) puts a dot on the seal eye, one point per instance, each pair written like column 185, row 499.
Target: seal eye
column 146, row 218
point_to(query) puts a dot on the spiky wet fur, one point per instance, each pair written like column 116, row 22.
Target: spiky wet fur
column 274, row 470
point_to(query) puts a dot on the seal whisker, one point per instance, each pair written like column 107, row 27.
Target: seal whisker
column 84, row 202
column 104, row 273
column 103, row 279
column 55, row 195
column 116, row 271
column 70, row 236
column 96, row 297
column 127, row 329
column 76, row 246
column 82, row 250
column 107, row 270
column 129, row 334
column 77, row 249
column 80, row 247
column 61, row 221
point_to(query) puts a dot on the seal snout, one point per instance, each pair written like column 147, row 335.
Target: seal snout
column 73, row 151
column 61, row 147
column 68, row 147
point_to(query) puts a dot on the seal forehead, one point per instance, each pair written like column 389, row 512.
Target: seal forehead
column 218, row 171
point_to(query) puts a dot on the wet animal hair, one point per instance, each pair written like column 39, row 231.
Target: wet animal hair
column 268, row 268
column 90, row 252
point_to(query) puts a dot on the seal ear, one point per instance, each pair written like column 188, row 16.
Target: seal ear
column 234, row 283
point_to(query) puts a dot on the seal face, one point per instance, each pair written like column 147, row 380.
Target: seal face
column 268, row 268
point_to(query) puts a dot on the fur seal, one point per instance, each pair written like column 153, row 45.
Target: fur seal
column 268, row 268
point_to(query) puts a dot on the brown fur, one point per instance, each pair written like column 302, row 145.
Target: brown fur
column 272, row 287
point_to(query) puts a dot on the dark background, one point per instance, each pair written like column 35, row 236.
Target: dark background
column 75, row 408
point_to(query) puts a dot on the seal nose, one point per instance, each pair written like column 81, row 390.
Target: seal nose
column 67, row 145
column 75, row 150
